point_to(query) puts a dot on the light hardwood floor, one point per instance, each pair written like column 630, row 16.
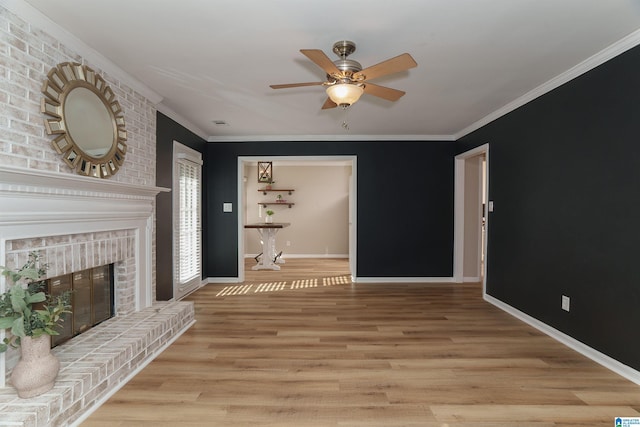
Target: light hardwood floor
column 284, row 349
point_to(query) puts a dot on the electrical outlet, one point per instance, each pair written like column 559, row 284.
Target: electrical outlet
column 288, row 242
column 566, row 303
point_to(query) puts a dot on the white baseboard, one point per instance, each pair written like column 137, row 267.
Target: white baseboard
column 404, row 280
column 600, row 358
column 472, row 279
column 362, row 280
column 321, row 256
column 222, row 280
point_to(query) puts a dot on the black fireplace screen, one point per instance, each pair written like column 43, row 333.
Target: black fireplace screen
column 92, row 299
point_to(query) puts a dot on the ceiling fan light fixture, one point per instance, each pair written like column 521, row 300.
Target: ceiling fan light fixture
column 345, row 94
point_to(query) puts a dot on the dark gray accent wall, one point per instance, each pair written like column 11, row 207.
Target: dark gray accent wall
column 565, row 179
column 405, row 204
column 167, row 131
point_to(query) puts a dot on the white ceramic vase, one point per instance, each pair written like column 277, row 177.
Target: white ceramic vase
column 269, row 219
column 37, row 369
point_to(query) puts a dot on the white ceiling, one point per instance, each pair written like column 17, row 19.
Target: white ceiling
column 214, row 60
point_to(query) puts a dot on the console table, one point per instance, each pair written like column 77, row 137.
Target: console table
column 268, row 233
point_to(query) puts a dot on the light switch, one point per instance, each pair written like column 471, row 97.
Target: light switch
column 490, row 205
column 227, row 207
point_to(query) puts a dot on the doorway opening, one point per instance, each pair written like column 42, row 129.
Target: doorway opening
column 471, row 222
column 296, row 198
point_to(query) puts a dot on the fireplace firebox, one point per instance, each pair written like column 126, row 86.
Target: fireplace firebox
column 92, row 299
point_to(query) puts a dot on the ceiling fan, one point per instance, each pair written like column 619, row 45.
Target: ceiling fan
column 347, row 81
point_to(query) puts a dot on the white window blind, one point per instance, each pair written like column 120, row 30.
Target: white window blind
column 187, row 222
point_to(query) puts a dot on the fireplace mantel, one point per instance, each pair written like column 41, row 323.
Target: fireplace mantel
column 26, row 177
column 37, row 204
column 39, row 197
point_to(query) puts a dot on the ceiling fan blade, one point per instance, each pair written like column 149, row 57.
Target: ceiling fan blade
column 394, row 65
column 295, row 85
column 329, row 104
column 383, row 92
column 321, row 60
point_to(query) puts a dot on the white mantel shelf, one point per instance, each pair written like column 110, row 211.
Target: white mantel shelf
column 24, row 180
column 34, row 197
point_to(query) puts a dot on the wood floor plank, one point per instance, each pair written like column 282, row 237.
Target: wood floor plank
column 304, row 347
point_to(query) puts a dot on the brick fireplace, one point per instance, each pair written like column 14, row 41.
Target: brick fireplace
column 75, row 224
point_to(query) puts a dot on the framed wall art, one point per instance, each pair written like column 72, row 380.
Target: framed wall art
column 265, row 172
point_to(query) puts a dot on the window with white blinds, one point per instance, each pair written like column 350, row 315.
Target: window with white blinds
column 187, row 220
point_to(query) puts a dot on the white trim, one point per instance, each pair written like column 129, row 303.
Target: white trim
column 471, row 279
column 458, row 212
column 341, row 137
column 619, row 47
column 189, row 158
column 598, row 357
column 425, row 280
column 181, row 120
column 360, row 280
column 15, row 179
column 186, row 156
column 286, row 255
column 311, row 158
column 222, row 280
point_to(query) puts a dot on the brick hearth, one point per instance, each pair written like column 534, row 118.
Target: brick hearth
column 96, row 364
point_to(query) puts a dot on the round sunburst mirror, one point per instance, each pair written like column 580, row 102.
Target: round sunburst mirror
column 85, row 118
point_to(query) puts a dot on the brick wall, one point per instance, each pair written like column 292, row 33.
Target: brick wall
column 77, row 252
column 27, row 54
column 116, row 349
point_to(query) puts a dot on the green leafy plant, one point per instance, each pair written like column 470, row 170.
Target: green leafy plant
column 25, row 309
column 269, row 212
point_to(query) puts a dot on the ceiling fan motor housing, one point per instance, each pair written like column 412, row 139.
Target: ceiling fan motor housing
column 347, row 66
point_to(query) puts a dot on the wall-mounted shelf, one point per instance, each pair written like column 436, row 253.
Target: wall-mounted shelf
column 265, row 204
column 281, row 190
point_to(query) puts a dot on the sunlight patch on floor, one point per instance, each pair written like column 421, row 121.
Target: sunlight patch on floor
column 307, row 283
column 338, row 280
column 270, row 287
column 234, row 290
column 281, row 286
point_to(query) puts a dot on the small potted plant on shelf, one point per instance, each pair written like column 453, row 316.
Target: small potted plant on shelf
column 269, row 185
column 269, row 217
column 31, row 316
column 279, row 199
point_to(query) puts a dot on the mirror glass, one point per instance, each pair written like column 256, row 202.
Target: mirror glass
column 89, row 122
column 83, row 115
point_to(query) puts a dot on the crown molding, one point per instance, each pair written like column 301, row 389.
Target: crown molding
column 181, row 120
column 619, row 47
column 36, row 18
column 343, row 138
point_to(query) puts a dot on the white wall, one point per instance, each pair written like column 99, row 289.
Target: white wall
column 319, row 219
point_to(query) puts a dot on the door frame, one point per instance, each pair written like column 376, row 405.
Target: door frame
column 353, row 203
column 181, row 151
column 459, row 214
